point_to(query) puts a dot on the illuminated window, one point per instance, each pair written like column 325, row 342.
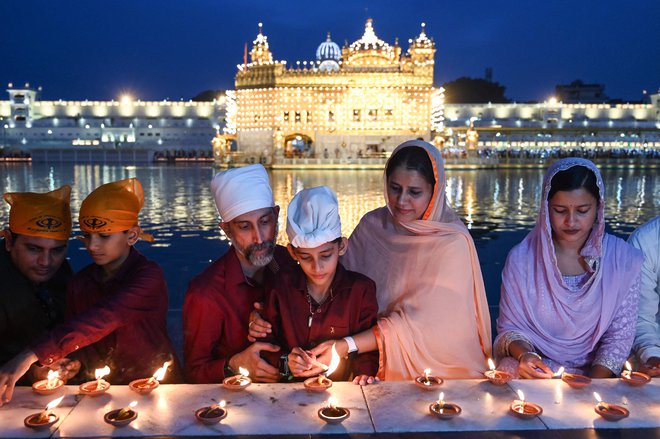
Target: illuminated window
column 309, row 117
column 331, row 116
column 297, row 116
column 356, row 115
column 286, row 116
column 373, row 115
column 388, row 113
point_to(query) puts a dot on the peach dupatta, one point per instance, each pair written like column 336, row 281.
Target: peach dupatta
column 432, row 301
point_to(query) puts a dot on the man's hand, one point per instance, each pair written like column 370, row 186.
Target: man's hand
column 530, row 366
column 652, row 367
column 304, row 364
column 12, row 371
column 259, row 369
column 363, row 380
column 258, row 327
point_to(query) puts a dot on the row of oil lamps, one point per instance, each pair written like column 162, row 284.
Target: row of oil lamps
column 330, row 413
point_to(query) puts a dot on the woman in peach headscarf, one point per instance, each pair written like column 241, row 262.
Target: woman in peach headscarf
column 431, row 297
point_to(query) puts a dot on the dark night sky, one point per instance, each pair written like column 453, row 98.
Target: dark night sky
column 174, row 49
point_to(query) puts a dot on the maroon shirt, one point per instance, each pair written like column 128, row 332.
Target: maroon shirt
column 216, row 311
column 352, row 308
column 120, row 322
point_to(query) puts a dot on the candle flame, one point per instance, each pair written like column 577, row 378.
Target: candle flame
column 244, row 372
column 100, row 373
column 332, row 402
column 491, row 365
column 521, row 395
column 628, row 366
column 560, row 371
column 54, row 403
column 598, row 398
column 160, row 373
column 334, row 362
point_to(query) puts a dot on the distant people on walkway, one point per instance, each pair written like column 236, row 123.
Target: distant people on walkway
column 431, row 297
column 319, row 299
column 116, row 307
column 570, row 291
column 218, row 302
column 647, row 341
column 34, row 272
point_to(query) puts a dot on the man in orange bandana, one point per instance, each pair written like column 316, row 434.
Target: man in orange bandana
column 33, row 268
column 117, row 305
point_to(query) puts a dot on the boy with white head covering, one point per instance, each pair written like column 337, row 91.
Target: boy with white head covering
column 217, row 306
column 319, row 299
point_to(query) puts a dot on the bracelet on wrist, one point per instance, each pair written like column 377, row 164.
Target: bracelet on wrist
column 532, row 353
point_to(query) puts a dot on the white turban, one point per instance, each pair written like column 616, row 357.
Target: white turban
column 313, row 218
column 241, row 190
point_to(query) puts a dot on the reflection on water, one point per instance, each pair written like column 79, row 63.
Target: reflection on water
column 498, row 206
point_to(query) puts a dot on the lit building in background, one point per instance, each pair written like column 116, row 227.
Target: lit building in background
column 358, row 101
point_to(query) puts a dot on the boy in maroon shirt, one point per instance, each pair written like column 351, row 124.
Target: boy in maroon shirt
column 319, row 299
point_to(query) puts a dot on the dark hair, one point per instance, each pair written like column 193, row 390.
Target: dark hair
column 575, row 178
column 415, row 159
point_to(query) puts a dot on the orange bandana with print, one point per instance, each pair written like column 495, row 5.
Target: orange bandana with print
column 43, row 215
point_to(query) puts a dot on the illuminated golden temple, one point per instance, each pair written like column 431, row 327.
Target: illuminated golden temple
column 358, row 101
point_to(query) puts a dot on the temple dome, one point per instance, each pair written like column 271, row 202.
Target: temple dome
column 328, row 50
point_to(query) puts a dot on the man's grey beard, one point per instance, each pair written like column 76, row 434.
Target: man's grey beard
column 263, row 260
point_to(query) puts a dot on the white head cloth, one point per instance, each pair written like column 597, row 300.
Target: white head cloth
column 241, row 190
column 313, row 218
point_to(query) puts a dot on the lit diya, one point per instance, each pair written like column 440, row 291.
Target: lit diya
column 497, row 377
column 523, row 409
column 322, row 382
column 634, row 379
column 45, row 418
column 610, row 412
column 97, row 387
column 238, row 382
column 146, row 385
column 444, row 410
column 212, row 414
column 50, row 385
column 121, row 417
column 332, row 414
column 428, row 382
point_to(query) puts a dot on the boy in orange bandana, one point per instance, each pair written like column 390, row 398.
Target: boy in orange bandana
column 118, row 305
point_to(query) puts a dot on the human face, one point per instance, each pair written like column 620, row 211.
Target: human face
column 110, row 250
column 319, row 263
column 572, row 215
column 408, row 194
column 38, row 259
column 253, row 235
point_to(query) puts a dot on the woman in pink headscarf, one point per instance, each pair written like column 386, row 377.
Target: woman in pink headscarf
column 433, row 311
column 570, row 291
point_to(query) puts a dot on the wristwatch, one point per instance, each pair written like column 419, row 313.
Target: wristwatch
column 352, row 347
column 284, row 367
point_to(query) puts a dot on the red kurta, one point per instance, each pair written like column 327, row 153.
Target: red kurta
column 351, row 309
column 216, row 311
column 120, row 322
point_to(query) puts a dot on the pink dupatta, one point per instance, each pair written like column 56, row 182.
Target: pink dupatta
column 564, row 324
column 432, row 302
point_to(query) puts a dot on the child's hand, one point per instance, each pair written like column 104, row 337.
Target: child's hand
column 364, row 380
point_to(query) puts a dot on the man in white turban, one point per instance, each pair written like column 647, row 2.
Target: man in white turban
column 218, row 302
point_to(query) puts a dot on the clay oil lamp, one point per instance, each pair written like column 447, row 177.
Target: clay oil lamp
column 634, row 379
column 238, row 382
column 97, row 387
column 332, row 414
column 147, row 385
column 428, row 382
column 523, row 409
column 322, row 382
column 45, row 418
column 121, row 417
column 212, row 414
column 444, row 410
column 50, row 385
column 496, row 377
column 572, row 379
column 610, row 412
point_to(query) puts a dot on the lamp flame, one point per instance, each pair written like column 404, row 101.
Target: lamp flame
column 334, row 362
column 332, row 402
column 54, row 403
column 560, row 371
column 244, row 372
column 491, row 364
column 100, row 373
column 222, row 404
column 53, row 375
column 521, row 395
column 160, row 373
column 598, row 398
column 628, row 366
